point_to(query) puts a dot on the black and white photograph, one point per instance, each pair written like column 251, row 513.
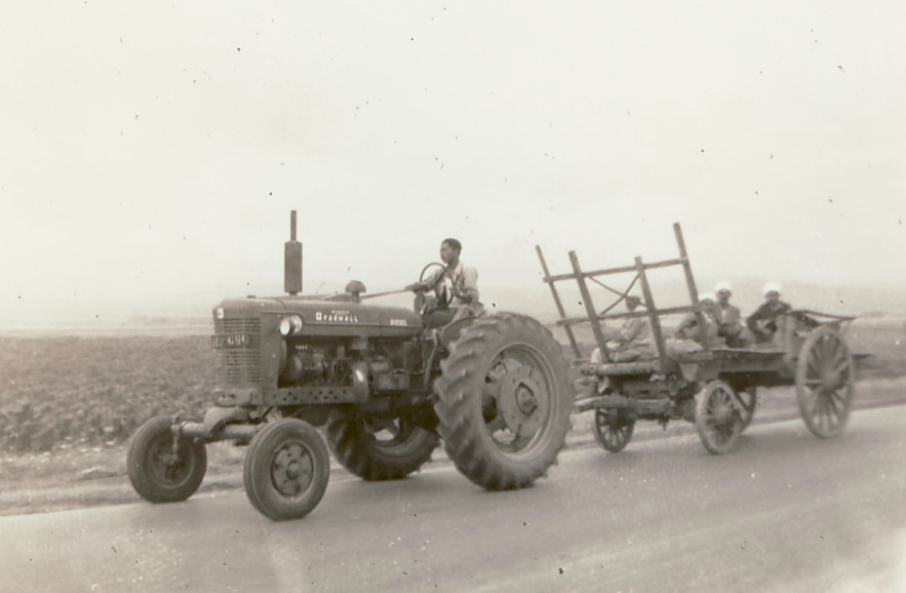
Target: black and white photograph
column 453, row 296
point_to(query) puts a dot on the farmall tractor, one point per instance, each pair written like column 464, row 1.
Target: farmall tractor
column 383, row 387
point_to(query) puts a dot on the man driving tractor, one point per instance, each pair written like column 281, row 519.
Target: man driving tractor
column 455, row 289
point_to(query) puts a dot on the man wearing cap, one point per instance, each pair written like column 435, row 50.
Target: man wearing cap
column 455, row 288
column 763, row 322
column 728, row 317
column 633, row 342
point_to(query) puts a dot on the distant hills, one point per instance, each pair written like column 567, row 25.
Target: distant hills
column 193, row 310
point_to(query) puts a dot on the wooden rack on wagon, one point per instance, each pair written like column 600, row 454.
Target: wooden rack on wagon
column 714, row 388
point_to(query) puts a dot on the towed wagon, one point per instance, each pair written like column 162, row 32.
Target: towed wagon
column 716, row 389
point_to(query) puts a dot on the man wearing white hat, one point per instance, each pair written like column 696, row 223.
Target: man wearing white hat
column 763, row 322
column 728, row 317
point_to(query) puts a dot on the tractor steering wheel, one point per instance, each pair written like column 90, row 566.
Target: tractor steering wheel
column 421, row 277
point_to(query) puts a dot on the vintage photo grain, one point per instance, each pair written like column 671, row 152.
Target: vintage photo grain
column 435, row 296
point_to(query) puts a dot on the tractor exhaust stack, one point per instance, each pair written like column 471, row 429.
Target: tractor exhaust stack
column 292, row 260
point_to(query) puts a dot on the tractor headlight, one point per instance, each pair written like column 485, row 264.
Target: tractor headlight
column 218, row 313
column 290, row 325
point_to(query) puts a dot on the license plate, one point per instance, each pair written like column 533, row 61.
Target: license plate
column 231, row 341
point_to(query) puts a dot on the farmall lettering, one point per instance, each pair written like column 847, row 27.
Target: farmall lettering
column 336, row 317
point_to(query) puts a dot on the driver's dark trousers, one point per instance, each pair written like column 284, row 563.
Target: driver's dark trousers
column 438, row 317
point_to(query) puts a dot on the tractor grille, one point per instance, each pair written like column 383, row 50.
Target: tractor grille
column 241, row 364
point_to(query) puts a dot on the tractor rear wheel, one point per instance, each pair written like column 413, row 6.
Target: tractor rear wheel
column 505, row 401
column 378, row 450
column 161, row 471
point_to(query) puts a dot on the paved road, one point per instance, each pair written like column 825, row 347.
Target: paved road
column 784, row 512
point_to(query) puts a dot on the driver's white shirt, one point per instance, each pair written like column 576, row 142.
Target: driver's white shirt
column 463, row 278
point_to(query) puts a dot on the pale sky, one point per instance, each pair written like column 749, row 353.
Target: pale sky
column 153, row 150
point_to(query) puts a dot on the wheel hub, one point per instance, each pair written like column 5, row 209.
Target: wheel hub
column 292, row 470
column 831, row 380
column 168, row 464
column 526, row 400
column 518, row 403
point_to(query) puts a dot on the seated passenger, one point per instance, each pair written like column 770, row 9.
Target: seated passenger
column 633, row 342
column 689, row 329
column 728, row 317
column 455, row 289
column 763, row 322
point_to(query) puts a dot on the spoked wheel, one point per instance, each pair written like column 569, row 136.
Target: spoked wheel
column 505, row 401
column 379, row 449
column 161, row 470
column 613, row 429
column 286, row 469
column 718, row 419
column 748, row 400
column 824, row 382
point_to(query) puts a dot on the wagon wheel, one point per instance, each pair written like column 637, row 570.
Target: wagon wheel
column 748, row 399
column 824, row 382
column 718, row 419
column 613, row 429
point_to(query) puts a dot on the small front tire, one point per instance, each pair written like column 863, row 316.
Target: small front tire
column 286, row 470
column 158, row 471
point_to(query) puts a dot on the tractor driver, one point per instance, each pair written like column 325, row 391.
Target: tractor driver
column 455, row 289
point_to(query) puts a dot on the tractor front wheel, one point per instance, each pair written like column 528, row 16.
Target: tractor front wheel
column 286, row 469
column 163, row 467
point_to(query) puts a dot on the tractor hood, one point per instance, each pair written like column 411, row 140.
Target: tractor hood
column 333, row 316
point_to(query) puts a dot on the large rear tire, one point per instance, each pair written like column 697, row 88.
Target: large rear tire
column 160, row 473
column 505, row 401
column 379, row 450
column 286, row 469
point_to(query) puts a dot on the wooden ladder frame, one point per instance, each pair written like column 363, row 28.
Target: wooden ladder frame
column 653, row 314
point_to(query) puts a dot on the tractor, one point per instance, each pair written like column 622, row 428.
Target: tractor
column 380, row 386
